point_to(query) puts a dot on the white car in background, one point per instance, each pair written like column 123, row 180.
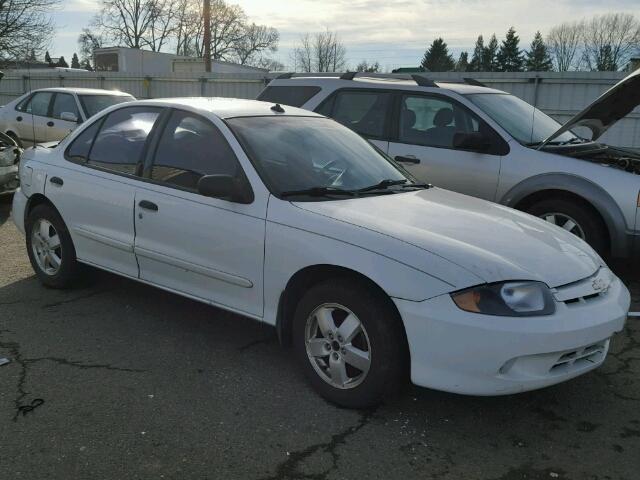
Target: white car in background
column 289, row 218
column 49, row 114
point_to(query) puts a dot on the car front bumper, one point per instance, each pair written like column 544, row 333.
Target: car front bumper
column 474, row 354
column 8, row 178
column 17, row 209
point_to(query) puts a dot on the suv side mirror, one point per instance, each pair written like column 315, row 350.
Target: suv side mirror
column 226, row 187
column 69, row 117
column 474, row 141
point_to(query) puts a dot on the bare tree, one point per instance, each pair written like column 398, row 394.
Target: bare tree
column 563, row 42
column 163, row 23
column 320, row 52
column 255, row 40
column 88, row 41
column 367, row 67
column 188, row 26
column 609, row 40
column 25, row 25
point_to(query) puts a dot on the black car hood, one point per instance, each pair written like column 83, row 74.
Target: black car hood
column 606, row 110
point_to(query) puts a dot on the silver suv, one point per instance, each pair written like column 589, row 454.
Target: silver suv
column 492, row 145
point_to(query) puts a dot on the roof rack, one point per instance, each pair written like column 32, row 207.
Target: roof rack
column 284, row 76
column 348, row 76
column 424, row 81
column 474, row 82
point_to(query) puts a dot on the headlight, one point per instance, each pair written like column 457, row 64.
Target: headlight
column 511, row 299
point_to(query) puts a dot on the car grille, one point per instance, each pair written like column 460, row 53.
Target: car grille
column 585, row 291
column 580, row 358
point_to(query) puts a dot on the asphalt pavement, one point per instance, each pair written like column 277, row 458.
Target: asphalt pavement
column 137, row 383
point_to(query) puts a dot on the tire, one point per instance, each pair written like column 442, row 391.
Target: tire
column 593, row 229
column 69, row 269
column 380, row 336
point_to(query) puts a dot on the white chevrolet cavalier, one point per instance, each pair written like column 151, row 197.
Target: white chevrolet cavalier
column 288, row 217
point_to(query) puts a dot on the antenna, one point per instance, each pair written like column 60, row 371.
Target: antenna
column 33, row 121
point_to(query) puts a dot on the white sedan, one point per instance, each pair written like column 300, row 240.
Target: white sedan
column 289, row 218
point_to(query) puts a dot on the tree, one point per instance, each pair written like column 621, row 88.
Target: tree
column 32, row 55
column 462, row 65
column 538, row 58
column 490, row 55
column 255, row 40
column 364, row 66
column 75, row 62
column 25, row 25
column 509, row 56
column 89, row 41
column 437, row 57
column 478, row 53
column 47, row 58
column 86, row 64
column 62, row 63
column 610, row 40
column 320, row 52
column 563, row 41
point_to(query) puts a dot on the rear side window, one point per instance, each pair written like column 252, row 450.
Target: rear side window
column 190, row 148
column 122, row 137
column 64, row 103
column 296, row 96
column 22, row 106
column 79, row 149
column 365, row 112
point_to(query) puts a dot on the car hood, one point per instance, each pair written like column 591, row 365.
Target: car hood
column 611, row 106
column 491, row 241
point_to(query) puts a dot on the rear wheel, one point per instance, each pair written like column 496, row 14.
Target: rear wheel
column 350, row 344
column 575, row 218
column 50, row 248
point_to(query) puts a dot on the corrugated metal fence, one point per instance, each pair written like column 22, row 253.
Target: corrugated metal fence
column 560, row 95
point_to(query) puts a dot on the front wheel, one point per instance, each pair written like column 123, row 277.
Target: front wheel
column 350, row 344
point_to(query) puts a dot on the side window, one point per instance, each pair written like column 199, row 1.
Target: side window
column 433, row 122
column 294, row 96
column 364, row 112
column 79, row 149
column 190, row 148
column 39, row 104
column 120, row 142
column 63, row 102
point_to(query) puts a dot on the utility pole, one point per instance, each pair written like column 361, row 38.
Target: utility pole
column 206, row 13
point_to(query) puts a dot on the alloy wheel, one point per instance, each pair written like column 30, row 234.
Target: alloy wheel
column 563, row 220
column 46, row 246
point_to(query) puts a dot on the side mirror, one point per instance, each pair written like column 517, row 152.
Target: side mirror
column 225, row 187
column 473, row 141
column 69, row 117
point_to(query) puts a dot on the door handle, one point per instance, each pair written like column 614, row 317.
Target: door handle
column 50, row 124
column 147, row 205
column 407, row 159
column 18, row 119
column 56, row 181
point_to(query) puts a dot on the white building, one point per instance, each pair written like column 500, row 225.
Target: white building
column 146, row 62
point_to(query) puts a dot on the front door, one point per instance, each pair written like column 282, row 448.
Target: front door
column 63, row 110
column 425, row 146
column 208, row 248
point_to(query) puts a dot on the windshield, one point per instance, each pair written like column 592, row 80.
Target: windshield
column 294, row 154
column 523, row 121
column 93, row 104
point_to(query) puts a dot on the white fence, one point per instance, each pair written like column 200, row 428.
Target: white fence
column 561, row 95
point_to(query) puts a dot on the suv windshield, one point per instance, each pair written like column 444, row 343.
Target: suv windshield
column 93, row 104
column 523, row 121
column 315, row 156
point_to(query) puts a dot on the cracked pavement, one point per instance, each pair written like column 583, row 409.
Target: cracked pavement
column 139, row 383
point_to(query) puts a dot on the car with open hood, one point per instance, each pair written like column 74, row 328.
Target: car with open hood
column 287, row 217
column 490, row 144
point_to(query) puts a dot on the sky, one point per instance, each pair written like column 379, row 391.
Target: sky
column 392, row 32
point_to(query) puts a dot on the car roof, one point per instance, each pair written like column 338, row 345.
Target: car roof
column 383, row 82
column 226, row 107
column 80, row 91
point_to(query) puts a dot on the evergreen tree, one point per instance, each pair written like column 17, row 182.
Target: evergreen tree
column 538, row 58
column 47, row 58
column 75, row 63
column 490, row 55
column 510, row 57
column 463, row 62
column 476, row 58
column 32, row 56
column 437, row 57
column 86, row 64
column 62, row 63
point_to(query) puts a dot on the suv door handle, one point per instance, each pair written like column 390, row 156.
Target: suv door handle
column 56, row 181
column 147, row 205
column 18, row 119
column 407, row 159
column 50, row 124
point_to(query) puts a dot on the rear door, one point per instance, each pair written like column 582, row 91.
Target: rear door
column 63, row 109
column 95, row 191
column 32, row 122
column 208, row 248
column 364, row 111
column 423, row 143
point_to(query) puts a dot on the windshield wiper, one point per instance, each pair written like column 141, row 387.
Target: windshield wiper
column 572, row 140
column 383, row 185
column 318, row 192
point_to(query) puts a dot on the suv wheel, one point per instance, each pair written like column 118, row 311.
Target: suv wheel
column 50, row 248
column 350, row 344
column 575, row 218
